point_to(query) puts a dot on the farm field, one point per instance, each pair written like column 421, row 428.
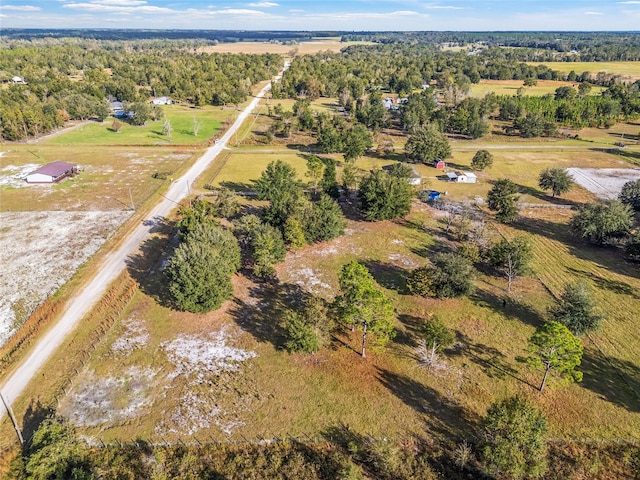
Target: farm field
column 511, row 87
column 209, row 120
column 303, row 48
column 626, row 69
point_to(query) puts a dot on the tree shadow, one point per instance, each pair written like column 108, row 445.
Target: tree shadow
column 508, row 307
column 390, row 276
column 35, row 414
column 611, row 258
column 548, row 198
column 238, row 186
column 631, row 155
column 443, row 416
column 269, row 302
column 146, row 266
column 613, row 379
column 411, row 331
column 493, row 362
column 615, row 286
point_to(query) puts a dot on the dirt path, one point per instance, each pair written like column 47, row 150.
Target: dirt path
column 60, row 131
column 114, row 264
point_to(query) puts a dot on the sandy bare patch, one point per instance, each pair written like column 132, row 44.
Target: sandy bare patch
column 40, row 251
column 197, row 358
column 14, row 176
column 135, row 336
column 109, row 400
column 604, row 183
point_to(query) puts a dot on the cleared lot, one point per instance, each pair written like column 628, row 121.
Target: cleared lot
column 605, row 183
column 40, row 251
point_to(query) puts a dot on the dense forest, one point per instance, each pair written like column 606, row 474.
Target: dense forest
column 74, row 82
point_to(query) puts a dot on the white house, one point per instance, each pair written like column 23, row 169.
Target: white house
column 414, row 178
column 462, row 177
column 162, row 101
column 17, row 79
column 52, row 172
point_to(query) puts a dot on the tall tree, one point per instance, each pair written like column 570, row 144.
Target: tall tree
column 357, row 140
column 427, row 144
column 450, row 275
column 314, row 171
column 554, row 347
column 555, row 179
column 576, row 309
column 630, row 194
column 513, row 439
column 279, row 185
column 200, row 269
column 511, row 257
column 385, row 195
column 502, row 199
column 329, row 182
column 601, row 221
column 481, row 160
column 363, row 306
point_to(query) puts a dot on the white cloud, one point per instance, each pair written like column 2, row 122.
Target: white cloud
column 229, row 11
column 295, row 10
column 593, row 13
column 442, row 7
column 630, row 2
column 21, row 8
column 117, row 6
column 263, row 4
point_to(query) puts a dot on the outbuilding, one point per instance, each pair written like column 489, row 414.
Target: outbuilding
column 414, row 178
column 161, row 101
column 439, row 164
column 462, row 177
column 52, row 172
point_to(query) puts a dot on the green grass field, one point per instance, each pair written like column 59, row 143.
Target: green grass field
column 182, row 122
column 627, row 69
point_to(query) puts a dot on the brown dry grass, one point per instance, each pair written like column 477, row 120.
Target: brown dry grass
column 303, row 48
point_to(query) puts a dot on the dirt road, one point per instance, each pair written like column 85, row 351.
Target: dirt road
column 114, row 264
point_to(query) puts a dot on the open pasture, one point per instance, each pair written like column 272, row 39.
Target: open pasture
column 182, row 119
column 626, row 69
column 110, row 179
column 302, row 48
column 511, row 87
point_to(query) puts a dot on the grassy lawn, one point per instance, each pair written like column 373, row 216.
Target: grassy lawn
column 109, row 179
column 628, row 69
column 511, row 87
column 182, row 122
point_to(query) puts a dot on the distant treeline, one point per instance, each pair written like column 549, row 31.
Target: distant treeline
column 531, row 46
column 74, row 81
column 225, row 36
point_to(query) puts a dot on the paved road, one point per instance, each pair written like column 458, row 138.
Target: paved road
column 114, row 264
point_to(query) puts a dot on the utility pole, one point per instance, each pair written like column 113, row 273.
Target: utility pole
column 13, row 419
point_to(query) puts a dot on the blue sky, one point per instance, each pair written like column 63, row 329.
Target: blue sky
column 476, row 15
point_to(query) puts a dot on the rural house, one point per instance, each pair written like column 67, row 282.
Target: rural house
column 162, row 101
column 52, row 172
column 462, row 177
column 439, row 164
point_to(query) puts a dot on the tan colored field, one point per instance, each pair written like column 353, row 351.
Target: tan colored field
column 511, row 87
column 626, row 69
column 303, row 48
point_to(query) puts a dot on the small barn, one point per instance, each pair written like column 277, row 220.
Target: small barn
column 462, row 177
column 439, row 164
column 52, row 172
